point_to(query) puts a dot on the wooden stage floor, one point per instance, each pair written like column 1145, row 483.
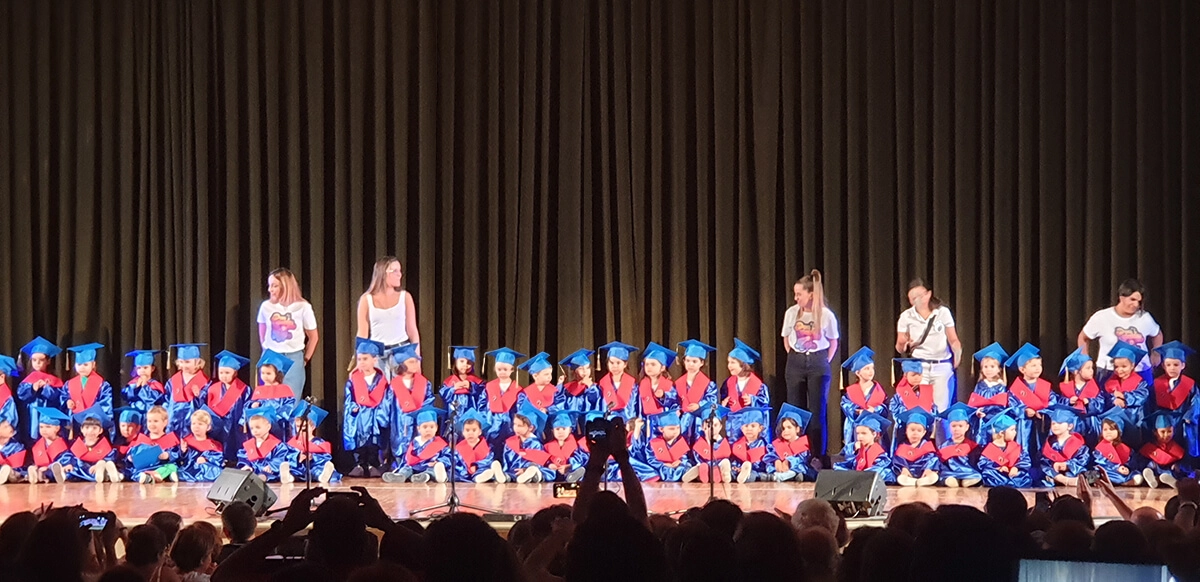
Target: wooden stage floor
column 133, row 503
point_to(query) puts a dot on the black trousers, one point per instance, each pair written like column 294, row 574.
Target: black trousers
column 807, row 378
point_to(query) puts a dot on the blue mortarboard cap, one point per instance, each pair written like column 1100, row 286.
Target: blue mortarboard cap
column 580, row 359
column 50, row 415
column 909, row 365
column 917, row 416
column 228, row 359
column 368, row 347
column 1175, row 350
column 8, row 366
column 707, row 412
column 41, row 345
column 144, row 456
column 1000, row 423
column 536, row 417
column 1161, row 419
column 267, row 411
column 406, row 352
column 958, row 412
column 860, row 359
column 591, row 415
column 274, row 358
column 129, row 415
column 142, row 357
column 668, row 418
column 800, row 415
column 565, row 419
column 1128, row 351
column 744, row 353
column 464, row 352
column 94, row 412
column 696, row 349
column 85, row 353
column 315, row 415
column 1074, row 362
column 505, row 355
column 471, row 414
column 187, row 351
column 618, row 350
column 994, row 351
column 540, row 361
column 747, row 415
column 1026, row 352
column 1118, row 416
column 659, row 353
column 427, row 414
column 1062, row 414
column 872, row 421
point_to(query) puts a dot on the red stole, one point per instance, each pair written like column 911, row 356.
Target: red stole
column 15, row 460
column 910, row 453
column 255, row 452
column 1125, row 386
column 431, row 450
column 754, row 455
column 865, row 458
column 855, row 393
column 1162, row 455
column 501, row 403
column 793, row 448
column 753, row 385
column 472, row 455
column 695, row 393
column 314, row 447
column 43, row 455
column 1072, row 446
column 410, row 400
column 1118, row 455
column 153, row 384
column 165, row 442
column 202, row 446
column 1005, row 458
column 181, row 392
column 910, row 398
column 97, row 453
column 614, row 398
column 669, row 452
column 515, row 444
column 272, row 392
column 51, row 379
column 5, row 394
column 221, row 404
column 1090, row 391
column 1038, row 398
column 84, row 397
column 453, row 379
column 575, row 388
column 363, row 395
column 561, row 454
column 1163, row 395
column 704, row 450
column 953, row 451
column 650, row 405
column 978, row 400
column 541, row 399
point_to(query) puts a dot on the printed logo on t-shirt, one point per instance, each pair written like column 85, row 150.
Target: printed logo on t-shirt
column 282, row 326
column 806, row 335
column 1131, row 336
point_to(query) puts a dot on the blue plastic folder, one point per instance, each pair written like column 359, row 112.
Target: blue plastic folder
column 145, row 456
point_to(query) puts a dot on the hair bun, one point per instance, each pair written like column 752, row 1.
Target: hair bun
column 816, row 275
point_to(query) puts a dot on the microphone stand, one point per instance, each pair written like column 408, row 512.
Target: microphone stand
column 712, row 454
column 452, row 503
column 307, row 443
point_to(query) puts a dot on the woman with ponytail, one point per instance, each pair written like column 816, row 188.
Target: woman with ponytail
column 810, row 336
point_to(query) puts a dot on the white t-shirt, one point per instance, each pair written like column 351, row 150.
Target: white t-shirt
column 801, row 334
column 1107, row 326
column 936, row 346
column 286, row 325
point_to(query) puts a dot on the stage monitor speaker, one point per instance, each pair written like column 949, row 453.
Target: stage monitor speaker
column 853, row 493
column 239, row 485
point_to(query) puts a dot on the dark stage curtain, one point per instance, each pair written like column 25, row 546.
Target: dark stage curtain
column 559, row 174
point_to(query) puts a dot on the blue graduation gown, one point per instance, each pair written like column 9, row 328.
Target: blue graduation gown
column 872, row 458
column 80, row 459
column 1167, row 458
column 14, row 455
column 1181, row 402
column 143, row 398
column 567, row 454
column 460, row 402
column 8, row 408
column 169, row 443
column 499, row 407
column 622, row 401
column 98, row 392
column 408, row 400
column 282, row 398
column 653, row 405
column 470, row 460
column 797, row 455
column 227, row 405
column 760, row 394
column 580, row 398
column 662, row 453
column 1088, row 424
column 917, row 459
column 991, row 399
column 855, row 402
column 757, row 452
column 43, row 454
column 1109, row 458
column 257, row 458
column 1074, row 452
column 957, row 460
column 183, row 398
column 702, row 392
column 545, row 399
column 191, row 470
column 367, row 412
column 1031, row 432
column 421, row 456
column 49, row 395
column 995, row 462
column 638, row 452
column 1136, row 393
column 520, row 454
column 321, row 452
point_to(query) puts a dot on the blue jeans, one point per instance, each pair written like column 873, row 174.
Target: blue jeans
column 296, row 375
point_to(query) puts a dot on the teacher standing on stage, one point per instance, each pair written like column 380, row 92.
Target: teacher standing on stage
column 386, row 312
column 926, row 332
column 810, row 336
column 1128, row 322
column 287, row 324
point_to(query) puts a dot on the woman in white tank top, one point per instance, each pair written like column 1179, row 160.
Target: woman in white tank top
column 386, row 313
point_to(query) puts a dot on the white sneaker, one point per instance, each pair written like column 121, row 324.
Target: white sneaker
column 745, row 473
column 420, row 478
column 529, row 474
column 99, row 474
column 929, row 478
column 1136, row 480
column 501, row 478
column 1150, row 477
column 60, row 476
column 6, row 473
column 326, row 473
column 32, row 475
column 114, row 475
column 285, row 473
column 906, row 481
column 971, row 482
column 951, row 482
column 439, row 472
column 1167, row 479
column 726, row 471
column 692, row 474
column 484, row 476
column 145, row 479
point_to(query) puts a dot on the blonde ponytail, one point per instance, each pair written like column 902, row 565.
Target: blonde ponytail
column 812, row 283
